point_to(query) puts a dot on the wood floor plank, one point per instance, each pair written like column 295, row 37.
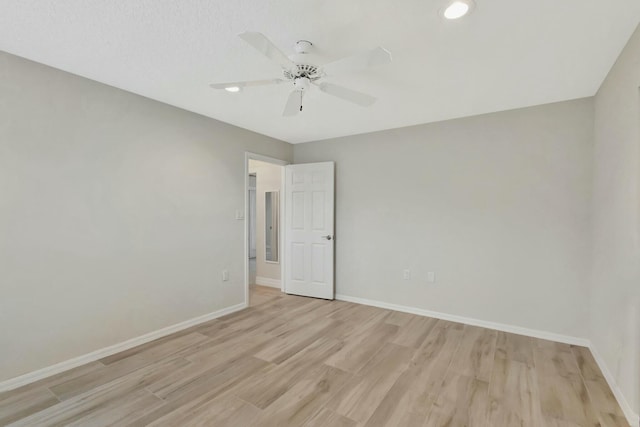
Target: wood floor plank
column 251, row 323
column 554, row 422
column 363, row 393
column 199, row 368
column 214, row 328
column 358, row 314
column 515, row 347
column 230, row 318
column 475, row 355
column 255, row 300
column 209, row 386
column 514, row 395
column 223, row 339
column 283, row 326
column 566, row 399
column 236, row 346
column 121, row 411
column 586, row 363
column 220, row 376
column 259, row 295
column 268, row 385
column 410, row 398
column 348, row 330
column 610, row 420
column 55, row 379
column 159, row 346
column 551, row 361
column 124, row 366
column 462, row 401
column 280, row 349
column 328, row 418
column 24, row 403
column 357, row 352
column 283, row 305
column 551, row 345
column 325, row 309
column 305, row 310
column 399, row 318
column 602, row 398
column 226, row 410
column 278, row 325
column 103, row 396
column 414, row 332
column 301, row 402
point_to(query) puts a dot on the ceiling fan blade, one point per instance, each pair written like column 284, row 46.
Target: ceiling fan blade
column 267, row 48
column 356, row 97
column 372, row 58
column 246, row 84
column 293, row 104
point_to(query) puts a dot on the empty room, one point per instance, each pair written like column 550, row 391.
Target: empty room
column 320, row 213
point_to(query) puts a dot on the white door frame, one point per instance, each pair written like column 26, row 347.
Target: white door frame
column 254, row 156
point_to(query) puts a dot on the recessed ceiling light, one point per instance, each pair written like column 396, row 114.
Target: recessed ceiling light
column 457, row 9
column 232, row 89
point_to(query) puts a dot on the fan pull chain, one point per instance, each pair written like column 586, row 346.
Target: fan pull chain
column 300, row 100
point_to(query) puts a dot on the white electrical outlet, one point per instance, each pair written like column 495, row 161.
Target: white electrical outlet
column 225, row 275
column 240, row 215
column 431, row 277
column 406, row 274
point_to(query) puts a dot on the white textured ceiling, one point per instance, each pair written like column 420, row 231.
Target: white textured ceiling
column 507, row 54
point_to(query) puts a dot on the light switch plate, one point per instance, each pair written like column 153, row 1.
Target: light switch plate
column 239, row 215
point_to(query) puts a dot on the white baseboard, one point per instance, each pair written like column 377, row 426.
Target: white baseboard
column 266, row 281
column 43, row 373
column 629, row 413
column 469, row 321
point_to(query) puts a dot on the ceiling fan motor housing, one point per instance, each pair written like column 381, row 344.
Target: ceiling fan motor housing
column 303, row 47
column 302, row 70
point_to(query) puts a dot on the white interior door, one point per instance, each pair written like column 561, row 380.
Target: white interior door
column 309, row 221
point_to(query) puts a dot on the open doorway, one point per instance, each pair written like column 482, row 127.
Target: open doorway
column 264, row 232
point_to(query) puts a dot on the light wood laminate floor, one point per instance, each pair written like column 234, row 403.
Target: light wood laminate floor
column 292, row 361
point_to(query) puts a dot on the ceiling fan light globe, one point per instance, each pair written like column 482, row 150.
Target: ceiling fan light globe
column 301, row 84
column 232, row 89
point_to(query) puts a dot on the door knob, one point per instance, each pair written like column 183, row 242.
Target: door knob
column 328, row 237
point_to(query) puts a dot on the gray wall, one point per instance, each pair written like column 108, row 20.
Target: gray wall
column 116, row 214
column 498, row 206
column 615, row 305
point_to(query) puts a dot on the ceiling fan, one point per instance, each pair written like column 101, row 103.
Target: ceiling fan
column 301, row 76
